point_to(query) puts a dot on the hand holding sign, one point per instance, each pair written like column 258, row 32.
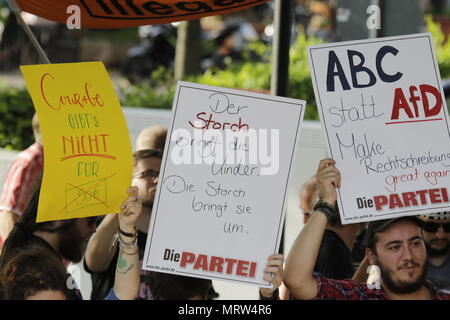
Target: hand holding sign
column 87, row 149
column 382, row 110
column 130, row 210
column 223, row 180
column 328, row 179
column 273, row 273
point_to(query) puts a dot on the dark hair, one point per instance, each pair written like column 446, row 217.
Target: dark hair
column 30, row 271
column 374, row 227
column 25, row 227
column 166, row 286
column 371, row 241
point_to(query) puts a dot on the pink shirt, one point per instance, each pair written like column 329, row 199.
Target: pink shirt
column 22, row 179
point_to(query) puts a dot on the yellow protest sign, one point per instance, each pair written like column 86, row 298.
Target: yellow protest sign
column 88, row 159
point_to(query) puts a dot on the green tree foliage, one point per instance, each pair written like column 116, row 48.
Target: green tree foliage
column 251, row 75
column 16, row 109
column 247, row 75
column 442, row 49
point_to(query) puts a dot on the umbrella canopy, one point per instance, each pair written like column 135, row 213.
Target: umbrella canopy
column 110, row 14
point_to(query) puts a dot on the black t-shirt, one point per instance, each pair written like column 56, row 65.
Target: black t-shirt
column 335, row 260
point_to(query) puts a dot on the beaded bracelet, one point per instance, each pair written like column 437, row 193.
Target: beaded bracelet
column 128, row 245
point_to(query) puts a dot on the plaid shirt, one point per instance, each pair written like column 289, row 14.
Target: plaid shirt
column 20, row 181
column 329, row 289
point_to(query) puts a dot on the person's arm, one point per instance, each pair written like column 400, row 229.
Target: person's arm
column 127, row 279
column 7, row 220
column 299, row 268
column 283, row 292
column 99, row 253
column 273, row 273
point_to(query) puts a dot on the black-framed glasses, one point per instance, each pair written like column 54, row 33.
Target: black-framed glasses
column 147, row 174
column 433, row 227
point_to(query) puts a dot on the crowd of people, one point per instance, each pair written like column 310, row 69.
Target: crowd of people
column 401, row 258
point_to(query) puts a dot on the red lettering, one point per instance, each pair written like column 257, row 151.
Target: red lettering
column 413, row 99
column 186, row 257
column 82, row 144
column 104, row 141
column 394, row 201
column 400, row 103
column 198, row 117
column 43, row 92
column 92, row 101
column 252, row 272
column 424, row 89
column 216, row 264
column 64, row 139
column 242, row 268
column 94, row 139
column 423, row 198
column 444, row 194
column 380, row 201
column 202, row 262
column 75, row 98
column 230, row 264
column 435, row 196
column 209, row 123
column 409, row 198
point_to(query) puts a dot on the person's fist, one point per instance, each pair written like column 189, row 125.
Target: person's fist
column 328, row 179
column 130, row 210
column 273, row 273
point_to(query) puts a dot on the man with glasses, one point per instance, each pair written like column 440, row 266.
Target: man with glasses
column 436, row 233
column 100, row 259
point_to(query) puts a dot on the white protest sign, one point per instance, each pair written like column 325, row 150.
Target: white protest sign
column 221, row 197
column 383, row 111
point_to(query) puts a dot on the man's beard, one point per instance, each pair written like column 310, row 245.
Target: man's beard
column 401, row 287
column 437, row 252
column 71, row 244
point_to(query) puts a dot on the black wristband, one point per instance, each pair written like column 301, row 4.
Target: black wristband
column 327, row 209
column 126, row 234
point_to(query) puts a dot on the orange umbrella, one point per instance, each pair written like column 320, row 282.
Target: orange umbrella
column 109, row 14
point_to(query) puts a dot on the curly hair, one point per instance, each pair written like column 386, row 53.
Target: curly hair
column 32, row 270
column 25, row 227
column 166, row 286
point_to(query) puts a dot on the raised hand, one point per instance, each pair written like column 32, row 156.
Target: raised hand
column 328, row 179
column 273, row 273
column 130, row 210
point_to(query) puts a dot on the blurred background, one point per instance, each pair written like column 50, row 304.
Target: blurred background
column 233, row 51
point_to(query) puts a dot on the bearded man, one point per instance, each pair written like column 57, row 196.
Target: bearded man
column 396, row 246
column 436, row 233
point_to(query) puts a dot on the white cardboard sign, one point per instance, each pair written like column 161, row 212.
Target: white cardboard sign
column 221, row 197
column 384, row 114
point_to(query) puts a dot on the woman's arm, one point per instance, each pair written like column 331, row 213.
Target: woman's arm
column 127, row 280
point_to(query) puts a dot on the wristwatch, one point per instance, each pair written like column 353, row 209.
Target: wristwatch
column 327, row 209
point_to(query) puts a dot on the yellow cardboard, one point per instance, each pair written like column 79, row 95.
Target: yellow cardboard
column 88, row 159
